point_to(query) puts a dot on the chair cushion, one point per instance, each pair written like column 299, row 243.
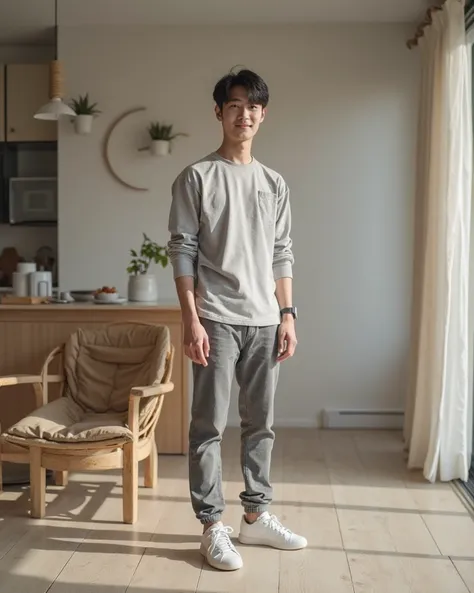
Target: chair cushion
column 63, row 421
column 102, row 365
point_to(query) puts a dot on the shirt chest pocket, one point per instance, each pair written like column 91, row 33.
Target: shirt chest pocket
column 266, row 207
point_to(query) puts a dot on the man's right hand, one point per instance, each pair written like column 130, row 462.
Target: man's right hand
column 196, row 342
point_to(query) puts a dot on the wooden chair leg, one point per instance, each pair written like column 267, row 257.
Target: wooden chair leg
column 37, row 484
column 130, row 483
column 60, row 478
column 151, row 467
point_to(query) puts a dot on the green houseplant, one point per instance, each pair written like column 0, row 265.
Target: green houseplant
column 85, row 113
column 161, row 137
column 142, row 286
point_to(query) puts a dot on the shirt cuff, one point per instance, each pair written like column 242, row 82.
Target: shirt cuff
column 284, row 270
column 183, row 266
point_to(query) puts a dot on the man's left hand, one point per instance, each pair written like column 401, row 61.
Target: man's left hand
column 286, row 339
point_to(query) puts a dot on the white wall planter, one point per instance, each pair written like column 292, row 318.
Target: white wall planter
column 160, row 147
column 142, row 288
column 83, row 124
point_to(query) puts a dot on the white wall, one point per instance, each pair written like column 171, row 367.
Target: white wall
column 340, row 128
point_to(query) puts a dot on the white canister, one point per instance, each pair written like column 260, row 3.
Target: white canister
column 41, row 284
column 25, row 267
column 20, row 284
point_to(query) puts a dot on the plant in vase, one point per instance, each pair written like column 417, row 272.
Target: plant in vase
column 85, row 113
column 142, row 286
column 161, row 138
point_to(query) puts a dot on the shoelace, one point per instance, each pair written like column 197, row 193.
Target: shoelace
column 220, row 540
column 275, row 525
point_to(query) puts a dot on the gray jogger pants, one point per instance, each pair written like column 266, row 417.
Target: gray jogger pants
column 249, row 354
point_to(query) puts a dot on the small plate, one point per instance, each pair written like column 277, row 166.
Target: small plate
column 118, row 301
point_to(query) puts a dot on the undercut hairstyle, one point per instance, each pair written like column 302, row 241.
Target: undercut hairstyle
column 256, row 87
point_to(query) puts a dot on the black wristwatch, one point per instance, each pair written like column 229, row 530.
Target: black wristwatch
column 290, row 310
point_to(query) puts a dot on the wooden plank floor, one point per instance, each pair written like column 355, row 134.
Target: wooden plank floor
column 372, row 527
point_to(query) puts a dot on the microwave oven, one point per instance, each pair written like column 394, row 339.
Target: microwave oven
column 32, row 200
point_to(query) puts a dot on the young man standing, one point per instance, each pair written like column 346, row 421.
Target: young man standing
column 232, row 258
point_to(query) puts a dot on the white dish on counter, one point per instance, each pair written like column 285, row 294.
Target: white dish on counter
column 117, row 301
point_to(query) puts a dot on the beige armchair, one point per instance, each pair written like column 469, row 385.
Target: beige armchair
column 112, row 386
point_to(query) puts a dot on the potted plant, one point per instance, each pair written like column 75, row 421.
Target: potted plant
column 142, row 286
column 85, row 113
column 161, row 138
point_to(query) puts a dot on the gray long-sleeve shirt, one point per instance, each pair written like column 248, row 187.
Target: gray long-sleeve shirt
column 230, row 229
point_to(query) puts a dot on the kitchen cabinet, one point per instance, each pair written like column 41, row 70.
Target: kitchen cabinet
column 2, row 103
column 27, row 88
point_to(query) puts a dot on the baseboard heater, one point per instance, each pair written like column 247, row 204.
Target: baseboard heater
column 389, row 419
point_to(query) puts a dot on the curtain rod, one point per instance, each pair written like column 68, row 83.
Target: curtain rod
column 428, row 20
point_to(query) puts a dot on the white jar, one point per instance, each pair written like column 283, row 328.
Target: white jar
column 143, row 288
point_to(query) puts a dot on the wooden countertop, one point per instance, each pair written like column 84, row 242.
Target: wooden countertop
column 51, row 307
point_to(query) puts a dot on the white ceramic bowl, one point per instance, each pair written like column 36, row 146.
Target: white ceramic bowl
column 107, row 296
column 83, row 296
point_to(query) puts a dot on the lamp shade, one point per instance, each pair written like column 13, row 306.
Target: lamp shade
column 53, row 110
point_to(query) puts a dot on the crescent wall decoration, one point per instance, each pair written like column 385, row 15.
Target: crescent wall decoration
column 107, row 137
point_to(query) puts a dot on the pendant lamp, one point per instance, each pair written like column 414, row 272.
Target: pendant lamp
column 55, row 108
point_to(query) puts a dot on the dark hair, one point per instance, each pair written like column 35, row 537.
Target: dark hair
column 255, row 86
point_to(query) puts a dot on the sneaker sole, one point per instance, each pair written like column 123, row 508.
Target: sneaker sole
column 249, row 541
column 216, row 565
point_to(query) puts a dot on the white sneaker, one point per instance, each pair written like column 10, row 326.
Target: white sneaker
column 218, row 549
column 268, row 531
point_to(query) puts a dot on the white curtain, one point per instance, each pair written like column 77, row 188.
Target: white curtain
column 437, row 425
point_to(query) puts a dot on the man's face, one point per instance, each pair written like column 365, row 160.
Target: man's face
column 240, row 119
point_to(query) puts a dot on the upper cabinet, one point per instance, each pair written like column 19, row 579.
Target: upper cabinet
column 2, row 103
column 27, row 88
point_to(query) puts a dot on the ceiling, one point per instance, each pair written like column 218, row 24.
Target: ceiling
column 30, row 21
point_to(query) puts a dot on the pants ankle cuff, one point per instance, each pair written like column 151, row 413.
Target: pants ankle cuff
column 255, row 508
column 210, row 519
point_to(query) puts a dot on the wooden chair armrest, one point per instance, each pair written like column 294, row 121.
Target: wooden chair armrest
column 26, row 379
column 19, row 379
column 36, row 381
column 151, row 390
column 136, row 394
